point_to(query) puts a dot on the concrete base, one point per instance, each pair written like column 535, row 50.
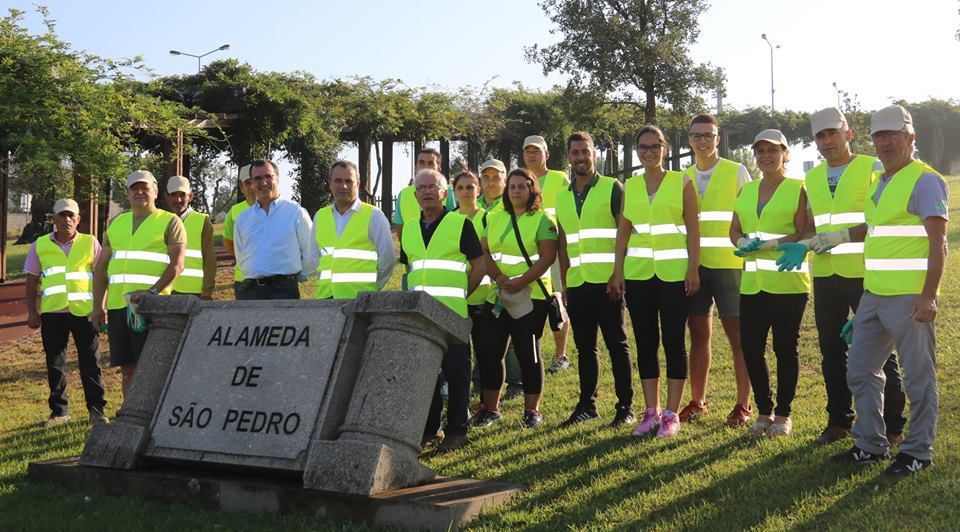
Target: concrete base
column 436, row 505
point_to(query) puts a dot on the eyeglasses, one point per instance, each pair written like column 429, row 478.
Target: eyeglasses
column 428, row 187
column 702, row 136
column 650, row 147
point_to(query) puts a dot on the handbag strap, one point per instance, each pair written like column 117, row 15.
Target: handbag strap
column 516, row 231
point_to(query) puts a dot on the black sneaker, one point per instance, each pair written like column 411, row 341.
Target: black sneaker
column 904, row 464
column 624, row 416
column 580, row 415
column 532, row 419
column 858, row 456
column 486, row 417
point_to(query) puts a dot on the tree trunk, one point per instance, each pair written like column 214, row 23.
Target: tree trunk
column 39, row 224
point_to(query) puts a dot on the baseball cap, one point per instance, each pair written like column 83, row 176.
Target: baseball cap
column 244, row 173
column 140, row 176
column 829, row 118
column 493, row 163
column 891, row 118
column 178, row 183
column 773, row 136
column 66, row 204
column 535, row 140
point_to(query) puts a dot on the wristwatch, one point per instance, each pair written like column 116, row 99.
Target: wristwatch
column 153, row 290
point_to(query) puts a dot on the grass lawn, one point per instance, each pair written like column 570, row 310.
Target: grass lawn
column 589, row 476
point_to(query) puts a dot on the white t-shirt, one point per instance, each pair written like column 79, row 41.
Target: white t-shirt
column 702, row 177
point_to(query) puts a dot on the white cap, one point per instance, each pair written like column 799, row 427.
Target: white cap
column 829, row 118
column 244, row 173
column 773, row 136
column 891, row 118
column 535, row 140
column 140, row 176
column 66, row 204
column 493, row 163
column 178, row 183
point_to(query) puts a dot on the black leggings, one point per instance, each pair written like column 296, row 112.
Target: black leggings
column 759, row 313
column 651, row 303
column 496, row 334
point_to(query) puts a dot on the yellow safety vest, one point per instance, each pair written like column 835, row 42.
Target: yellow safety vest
column 190, row 280
column 841, row 210
column 658, row 243
column 591, row 236
column 348, row 263
column 478, row 296
column 897, row 246
column 66, row 281
column 228, row 225
column 138, row 259
column 439, row 269
column 776, row 221
column 551, row 183
column 502, row 243
column 716, row 213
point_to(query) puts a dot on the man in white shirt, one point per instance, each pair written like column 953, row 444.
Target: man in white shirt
column 273, row 240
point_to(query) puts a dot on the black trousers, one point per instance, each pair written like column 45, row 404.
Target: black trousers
column 496, row 335
column 589, row 307
column 275, row 287
column 759, row 313
column 834, row 298
column 55, row 331
column 659, row 307
column 455, row 369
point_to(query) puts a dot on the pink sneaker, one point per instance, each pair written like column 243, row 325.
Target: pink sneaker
column 651, row 419
column 669, row 425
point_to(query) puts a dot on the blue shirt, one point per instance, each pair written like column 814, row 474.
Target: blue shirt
column 278, row 242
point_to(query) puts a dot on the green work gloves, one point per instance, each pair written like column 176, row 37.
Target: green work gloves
column 822, row 242
column 847, row 332
column 794, row 253
column 135, row 320
column 748, row 246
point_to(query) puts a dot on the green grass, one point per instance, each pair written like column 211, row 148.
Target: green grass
column 708, row 478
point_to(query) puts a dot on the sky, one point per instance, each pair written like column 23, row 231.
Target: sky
column 880, row 50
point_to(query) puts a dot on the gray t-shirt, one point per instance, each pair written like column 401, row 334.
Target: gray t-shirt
column 929, row 196
column 834, row 173
column 702, row 177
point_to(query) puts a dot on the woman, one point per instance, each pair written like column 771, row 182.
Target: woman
column 767, row 213
column 657, row 265
column 513, row 272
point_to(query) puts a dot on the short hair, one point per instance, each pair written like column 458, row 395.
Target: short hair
column 264, row 162
column 426, row 171
column 579, row 136
column 704, row 118
column 465, row 173
column 432, row 151
column 649, row 128
column 533, row 202
column 343, row 163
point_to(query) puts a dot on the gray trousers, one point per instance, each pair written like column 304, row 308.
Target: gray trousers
column 881, row 323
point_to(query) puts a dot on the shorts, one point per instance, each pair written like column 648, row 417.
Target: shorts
column 125, row 345
column 720, row 285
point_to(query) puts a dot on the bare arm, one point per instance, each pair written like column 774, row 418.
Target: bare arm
column 209, row 261
column 924, row 307
column 477, row 270
column 98, row 317
column 691, row 221
column 33, row 302
column 736, row 230
column 228, row 245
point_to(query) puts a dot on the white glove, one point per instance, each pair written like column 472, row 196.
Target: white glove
column 744, row 242
column 822, row 242
column 768, row 245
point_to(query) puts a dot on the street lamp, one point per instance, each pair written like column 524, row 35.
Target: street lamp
column 839, row 92
column 764, row 37
column 201, row 56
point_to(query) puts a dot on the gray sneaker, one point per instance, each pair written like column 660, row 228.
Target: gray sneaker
column 54, row 420
column 559, row 364
column 97, row 417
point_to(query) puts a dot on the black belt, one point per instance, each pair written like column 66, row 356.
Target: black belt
column 267, row 281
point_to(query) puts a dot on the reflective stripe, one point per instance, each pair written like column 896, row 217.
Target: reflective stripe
column 595, row 258
column 771, row 266
column 511, row 260
column 57, row 289
column 848, row 218
column 640, row 253
column 641, row 228
column 573, row 238
column 898, row 230
column 366, row 277
column 716, row 216
column 598, row 233
column 360, row 254
column 53, row 270
column 715, row 242
column 551, row 211
column 325, row 275
column 194, row 253
column 133, row 278
column 895, row 264
column 79, row 276
column 768, row 236
column 848, row 248
column 191, row 272
column 80, row 296
column 438, row 264
column 325, row 251
column 669, row 254
column 821, row 219
column 495, row 256
column 486, row 280
column 441, row 291
column 142, row 255
column 574, row 262
column 667, row 229
column 750, row 266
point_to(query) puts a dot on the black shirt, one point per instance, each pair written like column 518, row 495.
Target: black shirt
column 616, row 194
column 469, row 241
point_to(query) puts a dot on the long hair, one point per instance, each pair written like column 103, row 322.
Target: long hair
column 533, row 202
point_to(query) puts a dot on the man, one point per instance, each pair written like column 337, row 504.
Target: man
column 273, row 240
column 493, row 181
column 438, row 254
column 59, row 267
column 535, row 156
column 718, row 182
column 406, row 204
column 143, row 252
column 588, row 212
column 199, row 275
column 352, row 240
column 905, row 252
column 250, row 197
column 836, row 192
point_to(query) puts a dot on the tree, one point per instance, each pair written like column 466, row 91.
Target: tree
column 625, row 48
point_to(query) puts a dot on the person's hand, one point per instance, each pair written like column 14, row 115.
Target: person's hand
column 98, row 318
column 821, row 242
column 137, row 295
column 847, row 332
column 617, row 285
column 691, row 283
column 924, row 309
column 747, row 245
column 512, row 285
column 33, row 320
column 794, row 253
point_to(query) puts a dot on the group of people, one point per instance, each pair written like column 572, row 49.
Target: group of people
column 506, row 249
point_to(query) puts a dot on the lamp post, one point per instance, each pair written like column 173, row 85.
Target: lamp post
column 839, row 92
column 764, row 37
column 201, row 56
